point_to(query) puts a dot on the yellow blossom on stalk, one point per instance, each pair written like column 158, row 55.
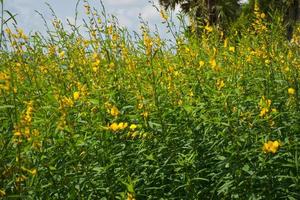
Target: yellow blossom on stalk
column 8, row 31
column 291, row 91
column 117, row 127
column 213, row 63
column 111, row 65
column 61, row 54
column 27, row 132
column 232, row 49
column 163, row 15
column 274, row 110
column 18, row 64
column 130, row 196
column 133, row 127
column 33, row 172
column 110, row 29
column 208, row 28
column 148, row 43
column 267, row 61
column 17, row 133
column 76, row 95
column 263, row 112
column 27, row 117
column 4, row 81
column 21, row 179
column 122, row 125
column 264, row 105
column 114, row 111
column 220, row 84
column 271, row 146
column 114, row 127
column 140, row 106
column 201, row 63
column 66, row 102
column 226, row 42
column 145, row 114
column 95, row 65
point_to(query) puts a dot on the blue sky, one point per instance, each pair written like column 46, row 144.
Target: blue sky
column 127, row 11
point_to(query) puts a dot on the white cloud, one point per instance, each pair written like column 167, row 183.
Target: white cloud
column 119, row 3
column 127, row 12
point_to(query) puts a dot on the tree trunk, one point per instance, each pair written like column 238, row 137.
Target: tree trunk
column 292, row 16
column 211, row 9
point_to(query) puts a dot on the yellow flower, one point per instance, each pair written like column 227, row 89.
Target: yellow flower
column 291, row 91
column 232, row 49
column 220, row 84
column 17, row 133
column 271, row 146
column 226, row 42
column 133, row 127
column 201, row 63
column 122, row 125
column 114, row 111
column 274, row 110
column 33, row 172
column 66, row 102
column 145, row 114
column 208, row 28
column 140, row 106
column 213, row 63
column 76, row 95
column 114, row 127
column 263, row 112
column 61, row 54
column 130, row 196
column 21, row 179
column 96, row 63
column 163, row 15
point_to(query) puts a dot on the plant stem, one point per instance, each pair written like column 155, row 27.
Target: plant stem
column 2, row 23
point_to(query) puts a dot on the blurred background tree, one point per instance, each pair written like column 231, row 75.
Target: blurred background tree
column 223, row 12
column 212, row 12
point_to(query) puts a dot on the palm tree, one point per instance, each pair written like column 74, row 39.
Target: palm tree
column 214, row 12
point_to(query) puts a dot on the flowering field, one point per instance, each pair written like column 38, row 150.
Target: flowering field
column 112, row 116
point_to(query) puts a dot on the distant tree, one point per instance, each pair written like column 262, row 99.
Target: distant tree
column 214, row 12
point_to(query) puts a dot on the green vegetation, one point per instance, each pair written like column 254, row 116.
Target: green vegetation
column 110, row 116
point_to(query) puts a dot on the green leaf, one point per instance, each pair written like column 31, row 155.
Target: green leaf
column 6, row 106
column 12, row 17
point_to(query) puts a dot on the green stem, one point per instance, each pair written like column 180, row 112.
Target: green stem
column 2, row 23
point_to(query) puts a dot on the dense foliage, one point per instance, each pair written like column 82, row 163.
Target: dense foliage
column 110, row 116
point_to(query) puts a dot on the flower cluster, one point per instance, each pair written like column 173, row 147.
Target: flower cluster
column 271, row 146
column 265, row 106
column 118, row 126
column 4, row 81
column 291, row 91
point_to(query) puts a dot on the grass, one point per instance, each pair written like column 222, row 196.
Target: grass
column 110, row 116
